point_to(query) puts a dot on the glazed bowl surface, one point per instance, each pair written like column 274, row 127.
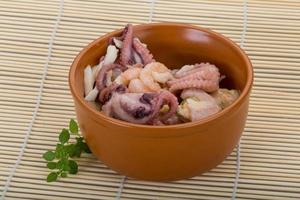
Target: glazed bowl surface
column 167, row 153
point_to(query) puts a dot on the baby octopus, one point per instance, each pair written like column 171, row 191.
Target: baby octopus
column 141, row 108
column 129, row 85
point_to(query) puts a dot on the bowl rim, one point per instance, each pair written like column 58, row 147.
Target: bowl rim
column 105, row 37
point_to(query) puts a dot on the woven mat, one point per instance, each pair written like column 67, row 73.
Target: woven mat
column 39, row 40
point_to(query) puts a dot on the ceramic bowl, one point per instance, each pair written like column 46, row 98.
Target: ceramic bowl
column 167, row 153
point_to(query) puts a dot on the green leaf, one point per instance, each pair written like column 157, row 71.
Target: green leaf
column 52, row 177
column 73, row 127
column 77, row 151
column 70, row 149
column 63, row 164
column 49, row 155
column 66, row 166
column 73, row 167
column 64, row 136
column 60, row 164
column 51, row 165
column 64, row 174
column 64, row 151
column 58, row 151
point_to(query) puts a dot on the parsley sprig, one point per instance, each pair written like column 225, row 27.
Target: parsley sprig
column 59, row 160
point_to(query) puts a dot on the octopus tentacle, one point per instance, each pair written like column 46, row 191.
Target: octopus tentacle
column 166, row 97
column 203, row 76
column 106, row 94
column 206, row 85
column 145, row 54
column 102, row 75
column 126, row 50
column 196, row 67
column 161, row 99
column 199, row 75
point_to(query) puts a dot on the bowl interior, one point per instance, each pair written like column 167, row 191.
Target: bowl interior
column 177, row 45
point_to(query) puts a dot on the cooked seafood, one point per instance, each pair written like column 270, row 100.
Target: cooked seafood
column 131, row 86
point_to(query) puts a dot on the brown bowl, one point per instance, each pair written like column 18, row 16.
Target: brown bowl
column 167, row 153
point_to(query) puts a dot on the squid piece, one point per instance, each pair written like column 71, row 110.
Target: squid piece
column 225, row 97
column 92, row 96
column 111, row 55
column 196, row 105
column 88, row 80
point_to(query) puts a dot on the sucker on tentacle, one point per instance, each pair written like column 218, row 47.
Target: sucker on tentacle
column 126, row 50
column 165, row 97
column 145, row 54
column 202, row 76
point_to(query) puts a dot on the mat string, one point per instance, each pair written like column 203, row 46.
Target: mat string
column 237, row 174
column 120, row 190
column 38, row 102
column 152, row 7
column 238, row 148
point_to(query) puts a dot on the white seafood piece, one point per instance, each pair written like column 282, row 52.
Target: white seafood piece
column 88, row 80
column 118, row 43
column 111, row 55
column 196, row 93
column 92, row 95
column 225, row 97
column 193, row 109
column 96, row 69
column 197, row 105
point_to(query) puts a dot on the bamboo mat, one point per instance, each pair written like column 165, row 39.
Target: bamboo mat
column 39, row 40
